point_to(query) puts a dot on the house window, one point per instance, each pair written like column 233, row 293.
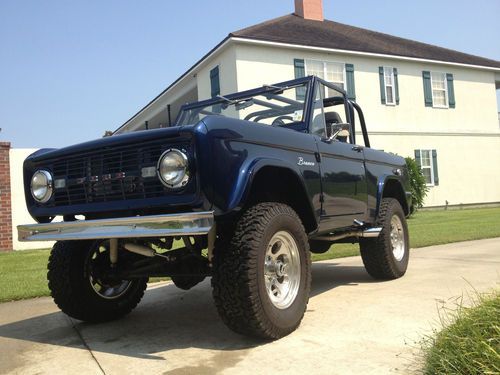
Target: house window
column 214, row 82
column 215, row 87
column 426, row 166
column 329, row 71
column 389, row 87
column 427, row 159
column 439, row 90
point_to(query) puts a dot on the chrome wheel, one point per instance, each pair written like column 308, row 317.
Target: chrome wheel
column 282, row 270
column 109, row 291
column 397, row 238
column 98, row 263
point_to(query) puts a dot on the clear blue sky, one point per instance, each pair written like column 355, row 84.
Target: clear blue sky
column 71, row 69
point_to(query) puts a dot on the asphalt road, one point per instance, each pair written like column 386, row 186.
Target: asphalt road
column 353, row 324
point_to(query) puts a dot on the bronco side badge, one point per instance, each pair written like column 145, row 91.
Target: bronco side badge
column 301, row 161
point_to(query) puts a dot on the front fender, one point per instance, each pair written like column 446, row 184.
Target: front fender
column 231, row 152
column 245, row 179
column 392, row 186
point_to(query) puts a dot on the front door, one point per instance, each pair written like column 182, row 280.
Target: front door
column 343, row 184
column 343, row 178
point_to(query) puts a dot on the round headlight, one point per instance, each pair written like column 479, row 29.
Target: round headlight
column 41, row 186
column 173, row 168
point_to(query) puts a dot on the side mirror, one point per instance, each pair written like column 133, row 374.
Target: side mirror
column 337, row 130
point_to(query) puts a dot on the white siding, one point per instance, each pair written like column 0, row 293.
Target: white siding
column 20, row 214
column 226, row 60
column 467, row 165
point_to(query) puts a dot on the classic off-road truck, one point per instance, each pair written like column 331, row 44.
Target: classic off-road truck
column 250, row 182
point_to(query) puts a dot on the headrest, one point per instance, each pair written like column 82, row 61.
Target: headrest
column 332, row 118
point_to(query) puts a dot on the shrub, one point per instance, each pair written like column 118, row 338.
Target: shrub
column 470, row 345
column 418, row 186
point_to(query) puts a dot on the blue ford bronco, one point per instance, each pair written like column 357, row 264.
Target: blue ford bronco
column 242, row 189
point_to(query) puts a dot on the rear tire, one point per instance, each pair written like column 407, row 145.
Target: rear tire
column 262, row 272
column 79, row 293
column 386, row 257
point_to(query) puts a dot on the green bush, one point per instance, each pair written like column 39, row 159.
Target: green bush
column 470, row 345
column 418, row 186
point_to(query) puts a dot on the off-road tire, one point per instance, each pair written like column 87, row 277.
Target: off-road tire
column 71, row 289
column 377, row 253
column 238, row 280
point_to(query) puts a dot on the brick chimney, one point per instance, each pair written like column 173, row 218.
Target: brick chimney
column 309, row 9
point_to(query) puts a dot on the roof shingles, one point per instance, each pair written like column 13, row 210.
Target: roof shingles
column 292, row 29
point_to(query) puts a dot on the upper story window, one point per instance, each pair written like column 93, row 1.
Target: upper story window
column 339, row 74
column 390, row 89
column 439, row 89
column 215, row 85
column 330, row 71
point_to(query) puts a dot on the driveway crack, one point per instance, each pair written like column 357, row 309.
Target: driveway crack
column 79, row 334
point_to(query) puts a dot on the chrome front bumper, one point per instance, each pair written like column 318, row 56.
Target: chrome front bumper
column 184, row 224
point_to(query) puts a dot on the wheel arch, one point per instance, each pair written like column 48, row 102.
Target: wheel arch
column 392, row 187
column 280, row 183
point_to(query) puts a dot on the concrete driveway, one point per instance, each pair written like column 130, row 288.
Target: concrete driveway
column 353, row 325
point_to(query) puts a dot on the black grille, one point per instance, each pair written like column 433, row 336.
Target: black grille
column 107, row 175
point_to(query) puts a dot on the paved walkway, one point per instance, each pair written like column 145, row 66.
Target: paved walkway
column 353, row 325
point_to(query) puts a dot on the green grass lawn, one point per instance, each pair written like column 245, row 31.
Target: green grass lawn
column 469, row 342
column 23, row 273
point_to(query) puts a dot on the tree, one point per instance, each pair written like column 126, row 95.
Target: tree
column 418, row 185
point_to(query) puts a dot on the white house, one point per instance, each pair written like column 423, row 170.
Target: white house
column 419, row 100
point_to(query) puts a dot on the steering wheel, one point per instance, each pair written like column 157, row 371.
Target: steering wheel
column 278, row 121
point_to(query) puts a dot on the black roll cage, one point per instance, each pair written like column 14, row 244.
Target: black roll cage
column 312, row 82
column 350, row 108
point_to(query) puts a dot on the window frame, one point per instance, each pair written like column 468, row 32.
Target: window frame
column 393, row 86
column 430, row 166
column 446, row 96
column 324, row 63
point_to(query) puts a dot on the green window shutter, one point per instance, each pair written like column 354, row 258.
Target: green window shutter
column 215, row 87
column 214, row 82
column 382, row 84
column 300, row 72
column 435, row 167
column 349, row 76
column 396, row 85
column 417, row 157
column 451, row 90
column 427, row 88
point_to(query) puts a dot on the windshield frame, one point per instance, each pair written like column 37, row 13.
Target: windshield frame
column 249, row 94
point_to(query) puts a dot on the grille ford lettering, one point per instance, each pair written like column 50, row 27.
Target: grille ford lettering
column 104, row 177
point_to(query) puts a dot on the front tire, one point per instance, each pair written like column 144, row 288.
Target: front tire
column 82, row 293
column 386, row 257
column 262, row 272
